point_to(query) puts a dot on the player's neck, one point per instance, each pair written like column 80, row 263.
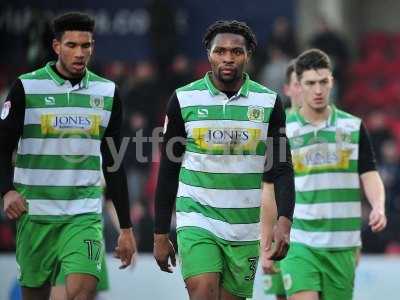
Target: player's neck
column 64, row 73
column 228, row 87
column 314, row 116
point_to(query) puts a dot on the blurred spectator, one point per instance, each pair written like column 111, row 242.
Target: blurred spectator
column 163, row 32
column 40, row 37
column 7, row 233
column 389, row 168
column 180, row 73
column 335, row 46
column 273, row 74
column 282, row 37
column 379, row 132
column 141, row 111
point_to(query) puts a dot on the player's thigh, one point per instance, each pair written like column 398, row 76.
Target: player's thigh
column 60, row 282
column 305, row 295
column 338, row 275
column 300, row 270
column 82, row 251
column 240, row 266
column 36, row 293
column 36, row 251
column 198, row 252
column 81, row 286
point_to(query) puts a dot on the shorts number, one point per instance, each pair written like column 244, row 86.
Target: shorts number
column 94, row 249
column 253, row 268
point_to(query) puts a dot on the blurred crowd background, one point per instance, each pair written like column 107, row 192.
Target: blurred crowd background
column 151, row 47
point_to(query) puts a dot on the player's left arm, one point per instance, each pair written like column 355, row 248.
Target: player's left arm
column 116, row 183
column 371, row 181
column 268, row 217
column 280, row 173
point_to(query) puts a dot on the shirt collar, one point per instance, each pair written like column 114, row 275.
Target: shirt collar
column 244, row 89
column 60, row 81
column 331, row 119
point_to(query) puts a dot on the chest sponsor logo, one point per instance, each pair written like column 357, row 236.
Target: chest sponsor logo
column 320, row 157
column 70, row 123
column 231, row 139
column 255, row 113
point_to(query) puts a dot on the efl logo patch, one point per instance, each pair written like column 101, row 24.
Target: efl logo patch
column 165, row 125
column 5, row 110
column 255, row 113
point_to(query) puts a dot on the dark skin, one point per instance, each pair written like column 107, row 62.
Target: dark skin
column 228, row 56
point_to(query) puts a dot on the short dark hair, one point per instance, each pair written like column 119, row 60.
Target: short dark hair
column 72, row 21
column 235, row 27
column 312, row 59
column 289, row 70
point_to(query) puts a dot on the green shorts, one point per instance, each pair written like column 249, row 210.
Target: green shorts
column 330, row 272
column 274, row 283
column 46, row 249
column 102, row 285
column 201, row 252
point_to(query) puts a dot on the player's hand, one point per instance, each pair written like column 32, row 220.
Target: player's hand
column 164, row 251
column 126, row 250
column 377, row 220
column 14, row 205
column 268, row 266
column 281, row 237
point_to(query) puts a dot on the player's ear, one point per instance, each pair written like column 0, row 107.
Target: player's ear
column 332, row 80
column 209, row 55
column 56, row 46
column 249, row 54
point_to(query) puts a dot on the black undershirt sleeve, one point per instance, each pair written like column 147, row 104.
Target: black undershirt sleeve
column 116, row 182
column 172, row 150
column 279, row 168
column 11, row 126
column 366, row 155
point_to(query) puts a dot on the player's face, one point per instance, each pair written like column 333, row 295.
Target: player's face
column 228, row 56
column 74, row 50
column 292, row 90
column 316, row 86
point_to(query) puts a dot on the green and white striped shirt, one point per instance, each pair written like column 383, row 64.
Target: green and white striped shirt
column 325, row 161
column 221, row 174
column 58, row 164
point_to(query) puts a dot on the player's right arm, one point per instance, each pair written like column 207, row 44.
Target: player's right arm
column 172, row 149
column 11, row 125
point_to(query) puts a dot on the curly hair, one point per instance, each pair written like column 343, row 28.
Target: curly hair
column 72, row 21
column 235, row 27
